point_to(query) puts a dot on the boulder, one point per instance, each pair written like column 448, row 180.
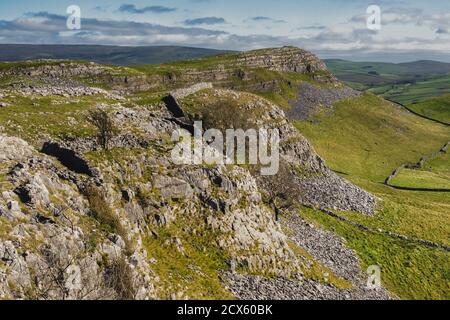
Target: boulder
column 12, row 148
column 173, row 188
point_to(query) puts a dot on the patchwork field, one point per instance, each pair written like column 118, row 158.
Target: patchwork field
column 423, row 86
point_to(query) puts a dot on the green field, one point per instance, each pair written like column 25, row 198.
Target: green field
column 410, row 93
column 435, row 108
column 418, row 179
column 415, row 84
column 365, row 139
column 435, row 174
column 410, row 271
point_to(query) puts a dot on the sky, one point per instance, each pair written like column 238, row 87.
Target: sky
column 410, row 29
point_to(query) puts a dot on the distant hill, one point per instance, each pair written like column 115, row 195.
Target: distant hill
column 421, row 68
column 415, row 84
column 116, row 55
column 369, row 75
column 426, row 67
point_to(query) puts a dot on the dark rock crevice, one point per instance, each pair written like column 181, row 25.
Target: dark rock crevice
column 173, row 106
column 69, row 158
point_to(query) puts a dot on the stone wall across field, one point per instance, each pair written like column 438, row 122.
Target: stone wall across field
column 417, row 165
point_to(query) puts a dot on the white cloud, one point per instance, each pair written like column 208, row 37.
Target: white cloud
column 43, row 27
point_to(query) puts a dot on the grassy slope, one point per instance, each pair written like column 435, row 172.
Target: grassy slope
column 439, row 164
column 409, row 178
column 32, row 118
column 414, row 84
column 434, row 174
column 435, row 108
column 180, row 66
column 366, row 138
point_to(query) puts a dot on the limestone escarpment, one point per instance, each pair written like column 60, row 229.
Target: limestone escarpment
column 287, row 59
column 223, row 72
column 130, row 223
column 317, row 185
column 55, row 221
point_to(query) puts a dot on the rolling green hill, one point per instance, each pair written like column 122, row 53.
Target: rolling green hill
column 414, row 84
column 116, row 55
column 373, row 74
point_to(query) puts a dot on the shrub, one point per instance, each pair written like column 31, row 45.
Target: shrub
column 105, row 126
column 102, row 212
column 119, row 278
column 224, row 114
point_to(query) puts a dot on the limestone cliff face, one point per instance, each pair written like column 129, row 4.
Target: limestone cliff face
column 315, row 183
column 60, row 227
column 69, row 234
column 286, row 59
column 79, row 222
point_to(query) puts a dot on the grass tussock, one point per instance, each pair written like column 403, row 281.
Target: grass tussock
column 119, row 278
column 109, row 221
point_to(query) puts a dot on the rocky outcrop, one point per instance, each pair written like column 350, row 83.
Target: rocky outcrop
column 327, row 248
column 45, row 245
column 312, row 98
column 54, row 69
column 286, row 59
column 242, row 66
column 14, row 149
column 63, row 219
column 46, row 88
column 317, row 185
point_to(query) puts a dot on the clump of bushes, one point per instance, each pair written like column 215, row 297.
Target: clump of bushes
column 225, row 114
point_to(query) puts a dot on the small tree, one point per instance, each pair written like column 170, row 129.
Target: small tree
column 224, row 114
column 105, row 126
column 280, row 191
